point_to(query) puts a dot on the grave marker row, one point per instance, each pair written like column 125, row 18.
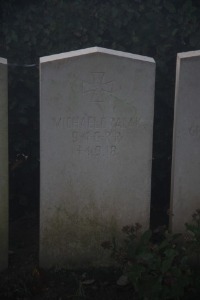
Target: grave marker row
column 96, row 120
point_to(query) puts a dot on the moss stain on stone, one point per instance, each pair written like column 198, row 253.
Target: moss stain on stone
column 75, row 239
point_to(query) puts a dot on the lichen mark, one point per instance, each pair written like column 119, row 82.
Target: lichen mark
column 98, row 88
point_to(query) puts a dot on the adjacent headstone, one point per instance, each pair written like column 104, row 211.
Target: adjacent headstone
column 96, row 118
column 3, row 165
column 185, row 184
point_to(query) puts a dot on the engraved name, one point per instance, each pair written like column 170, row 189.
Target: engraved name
column 91, row 122
column 95, row 136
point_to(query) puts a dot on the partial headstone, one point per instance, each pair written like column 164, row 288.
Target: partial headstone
column 4, row 165
column 185, row 184
column 96, row 118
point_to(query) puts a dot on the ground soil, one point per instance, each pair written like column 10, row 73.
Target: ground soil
column 25, row 280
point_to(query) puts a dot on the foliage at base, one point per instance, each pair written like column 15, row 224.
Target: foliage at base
column 162, row 269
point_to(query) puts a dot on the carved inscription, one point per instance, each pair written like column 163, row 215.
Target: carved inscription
column 97, row 136
column 97, row 150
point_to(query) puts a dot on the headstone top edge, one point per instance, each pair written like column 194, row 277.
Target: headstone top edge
column 3, row 60
column 91, row 50
column 188, row 54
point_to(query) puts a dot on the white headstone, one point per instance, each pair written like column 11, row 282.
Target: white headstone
column 185, row 184
column 4, row 165
column 96, row 118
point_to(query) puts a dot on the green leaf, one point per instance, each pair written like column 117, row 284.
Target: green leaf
column 163, row 244
column 148, row 256
column 171, row 253
column 144, row 241
column 166, row 265
column 134, row 274
column 145, row 237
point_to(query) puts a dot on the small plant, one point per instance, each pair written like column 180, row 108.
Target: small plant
column 156, row 271
column 193, row 229
column 193, row 248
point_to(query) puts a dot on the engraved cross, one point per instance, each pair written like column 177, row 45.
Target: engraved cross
column 98, row 89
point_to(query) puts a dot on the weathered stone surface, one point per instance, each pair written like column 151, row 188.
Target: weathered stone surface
column 96, row 117
column 4, row 165
column 185, row 184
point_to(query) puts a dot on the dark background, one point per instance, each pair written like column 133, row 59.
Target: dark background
column 31, row 29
